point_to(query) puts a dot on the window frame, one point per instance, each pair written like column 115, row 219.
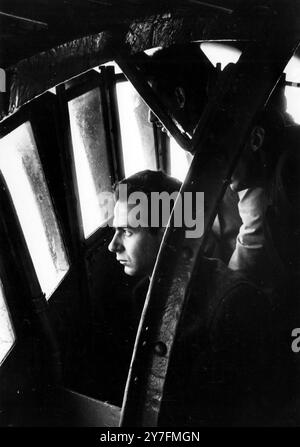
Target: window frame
column 160, row 139
column 15, row 236
column 71, row 90
column 106, row 80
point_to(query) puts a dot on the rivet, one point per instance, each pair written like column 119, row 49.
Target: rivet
column 160, row 348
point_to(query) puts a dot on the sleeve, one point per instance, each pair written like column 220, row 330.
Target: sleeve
column 253, row 247
column 250, row 239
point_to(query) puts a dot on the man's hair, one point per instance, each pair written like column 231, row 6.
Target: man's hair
column 149, row 181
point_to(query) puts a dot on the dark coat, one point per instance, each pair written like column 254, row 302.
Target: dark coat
column 230, row 361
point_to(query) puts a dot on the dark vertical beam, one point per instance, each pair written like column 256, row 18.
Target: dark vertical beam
column 113, row 122
column 68, row 164
column 77, row 250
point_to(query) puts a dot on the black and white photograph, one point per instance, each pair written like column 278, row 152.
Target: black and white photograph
column 149, row 216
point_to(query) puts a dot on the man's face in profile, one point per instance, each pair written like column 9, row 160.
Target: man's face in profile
column 135, row 248
column 174, row 103
column 250, row 169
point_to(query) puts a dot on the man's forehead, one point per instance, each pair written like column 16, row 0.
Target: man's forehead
column 125, row 215
column 121, row 214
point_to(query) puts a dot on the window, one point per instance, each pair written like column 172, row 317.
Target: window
column 22, row 170
column 180, row 160
column 90, row 157
column 136, row 133
column 292, row 70
column 7, row 335
column 292, row 93
column 224, row 54
column 220, row 53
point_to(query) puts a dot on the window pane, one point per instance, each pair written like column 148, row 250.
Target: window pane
column 292, row 95
column 136, row 132
column 220, row 53
column 292, row 70
column 22, row 170
column 90, row 155
column 7, row 335
column 180, row 160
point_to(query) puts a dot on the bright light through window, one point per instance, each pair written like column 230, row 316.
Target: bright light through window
column 136, row 132
column 217, row 52
column 90, row 156
column 292, row 94
column 7, row 335
column 180, row 160
column 292, row 70
column 22, row 170
column 220, row 53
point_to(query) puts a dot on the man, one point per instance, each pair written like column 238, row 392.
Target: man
column 136, row 248
column 225, row 367
column 253, row 181
column 184, row 78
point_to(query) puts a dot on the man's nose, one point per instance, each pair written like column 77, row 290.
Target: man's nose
column 115, row 244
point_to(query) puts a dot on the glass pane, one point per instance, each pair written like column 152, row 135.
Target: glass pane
column 90, row 155
column 22, row 170
column 180, row 160
column 136, row 131
column 220, row 53
column 292, row 70
column 7, row 335
column 292, row 95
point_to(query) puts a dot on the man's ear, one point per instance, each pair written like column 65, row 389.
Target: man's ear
column 257, row 138
column 180, row 97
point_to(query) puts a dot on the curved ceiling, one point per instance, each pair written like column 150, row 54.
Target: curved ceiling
column 44, row 42
column 31, row 26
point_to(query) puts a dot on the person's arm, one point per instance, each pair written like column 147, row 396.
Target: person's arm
column 250, row 241
column 254, row 253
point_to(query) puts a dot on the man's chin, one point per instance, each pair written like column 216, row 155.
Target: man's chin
column 129, row 270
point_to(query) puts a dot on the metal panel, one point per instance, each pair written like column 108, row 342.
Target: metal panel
column 83, row 411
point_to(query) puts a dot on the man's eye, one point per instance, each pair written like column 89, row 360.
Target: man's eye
column 127, row 233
